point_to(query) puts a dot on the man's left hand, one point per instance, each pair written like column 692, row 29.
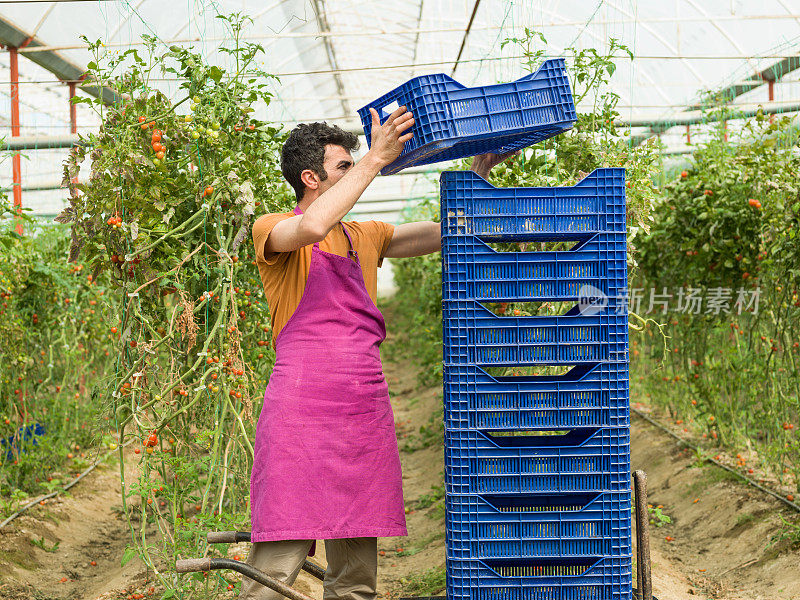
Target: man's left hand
column 483, row 163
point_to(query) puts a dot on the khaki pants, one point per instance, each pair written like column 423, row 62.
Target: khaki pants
column 352, row 572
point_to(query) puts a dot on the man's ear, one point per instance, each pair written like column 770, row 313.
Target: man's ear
column 310, row 179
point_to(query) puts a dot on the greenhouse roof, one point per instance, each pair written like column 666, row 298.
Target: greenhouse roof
column 334, row 56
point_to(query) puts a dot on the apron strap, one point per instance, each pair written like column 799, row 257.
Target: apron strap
column 351, row 252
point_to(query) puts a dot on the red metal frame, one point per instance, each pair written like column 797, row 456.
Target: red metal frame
column 771, row 96
column 73, row 117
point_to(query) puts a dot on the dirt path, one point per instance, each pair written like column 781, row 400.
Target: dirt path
column 721, row 528
column 88, row 526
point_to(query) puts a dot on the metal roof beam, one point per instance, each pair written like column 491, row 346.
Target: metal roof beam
column 11, row 35
column 772, row 73
column 466, row 35
column 40, row 142
column 324, row 27
column 695, row 119
column 727, row 95
column 416, row 37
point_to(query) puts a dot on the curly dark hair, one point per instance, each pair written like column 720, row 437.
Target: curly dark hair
column 305, row 149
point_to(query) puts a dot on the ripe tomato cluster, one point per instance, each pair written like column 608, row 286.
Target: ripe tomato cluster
column 115, row 222
column 144, row 125
column 159, row 148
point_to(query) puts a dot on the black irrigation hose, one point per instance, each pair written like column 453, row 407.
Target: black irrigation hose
column 719, row 464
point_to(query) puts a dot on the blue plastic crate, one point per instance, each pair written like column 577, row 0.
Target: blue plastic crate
column 582, row 460
column 21, row 440
column 586, row 396
column 472, row 206
column 565, row 525
column 453, row 121
column 474, row 335
column 471, row 270
column 602, row 578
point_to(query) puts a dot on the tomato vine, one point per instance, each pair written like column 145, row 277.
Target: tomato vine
column 165, row 210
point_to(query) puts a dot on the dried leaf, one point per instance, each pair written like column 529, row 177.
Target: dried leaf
column 185, row 323
column 134, row 230
column 168, row 215
column 247, row 198
column 241, row 234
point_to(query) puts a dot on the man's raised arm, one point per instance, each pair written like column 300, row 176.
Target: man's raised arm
column 332, row 205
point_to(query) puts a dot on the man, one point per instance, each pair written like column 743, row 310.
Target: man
column 326, row 462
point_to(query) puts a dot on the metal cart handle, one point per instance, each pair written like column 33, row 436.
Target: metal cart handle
column 209, row 564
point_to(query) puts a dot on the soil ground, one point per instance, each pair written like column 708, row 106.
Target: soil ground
column 722, row 530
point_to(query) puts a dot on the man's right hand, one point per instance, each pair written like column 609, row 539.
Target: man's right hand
column 388, row 140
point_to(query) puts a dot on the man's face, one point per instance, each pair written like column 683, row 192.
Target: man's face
column 337, row 162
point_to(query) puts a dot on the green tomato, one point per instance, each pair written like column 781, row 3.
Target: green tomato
column 215, row 134
column 196, row 99
column 195, row 135
column 215, row 125
column 193, row 107
column 156, row 162
column 188, row 118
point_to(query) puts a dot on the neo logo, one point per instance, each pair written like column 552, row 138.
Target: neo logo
column 591, row 301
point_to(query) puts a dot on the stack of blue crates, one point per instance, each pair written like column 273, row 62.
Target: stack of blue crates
column 537, row 468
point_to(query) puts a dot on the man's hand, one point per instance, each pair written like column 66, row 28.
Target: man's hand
column 483, row 163
column 388, row 140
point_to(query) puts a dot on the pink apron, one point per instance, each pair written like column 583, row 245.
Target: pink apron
column 326, row 458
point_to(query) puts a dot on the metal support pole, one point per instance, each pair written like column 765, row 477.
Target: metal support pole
column 16, row 160
column 771, row 96
column 73, row 114
column 73, row 129
column 643, row 581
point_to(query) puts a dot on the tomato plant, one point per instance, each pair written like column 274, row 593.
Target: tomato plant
column 734, row 371
column 183, row 190
column 45, row 382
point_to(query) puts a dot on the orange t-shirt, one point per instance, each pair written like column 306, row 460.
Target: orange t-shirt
column 284, row 274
